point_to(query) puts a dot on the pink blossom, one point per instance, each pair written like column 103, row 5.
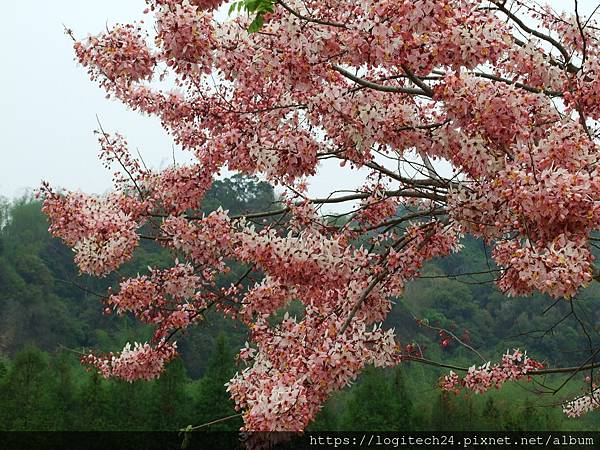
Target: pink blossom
column 513, row 367
column 140, row 362
column 120, row 55
column 582, row 405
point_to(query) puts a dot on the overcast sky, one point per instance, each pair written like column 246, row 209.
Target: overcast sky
column 48, row 107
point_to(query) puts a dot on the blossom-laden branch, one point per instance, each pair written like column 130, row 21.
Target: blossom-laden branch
column 582, row 405
column 513, row 367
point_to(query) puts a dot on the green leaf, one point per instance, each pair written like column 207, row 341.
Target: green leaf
column 233, row 6
column 256, row 24
column 253, row 5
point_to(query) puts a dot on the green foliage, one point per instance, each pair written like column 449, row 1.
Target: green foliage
column 258, row 8
column 53, row 392
column 27, row 393
column 64, row 400
column 444, row 413
column 130, row 404
column 170, row 402
column 379, row 402
column 211, row 400
column 239, row 195
column 491, row 414
column 94, row 404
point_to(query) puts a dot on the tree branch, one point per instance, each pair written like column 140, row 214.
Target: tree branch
column 310, row 19
column 563, row 51
column 378, row 87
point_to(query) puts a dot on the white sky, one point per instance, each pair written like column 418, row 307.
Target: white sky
column 48, row 106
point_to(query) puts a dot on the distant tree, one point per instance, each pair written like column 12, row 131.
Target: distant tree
column 94, row 404
column 532, row 417
column 64, row 392
column 25, row 229
column 212, row 402
column 171, row 406
column 130, row 405
column 403, row 404
column 491, row 415
column 327, row 419
column 4, row 364
column 444, row 413
column 239, row 194
column 27, row 393
column 378, row 403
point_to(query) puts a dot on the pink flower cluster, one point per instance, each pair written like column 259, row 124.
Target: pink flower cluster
column 513, row 367
column 582, row 405
column 101, row 230
column 169, row 299
column 265, row 298
column 546, row 195
column 205, row 241
column 178, row 189
column 206, row 5
column 299, row 363
column 115, row 152
column 585, row 98
column 558, row 269
column 306, row 259
column 184, row 35
column 118, row 56
column 428, row 34
column 376, row 208
column 498, row 113
column 424, row 242
column 142, row 362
